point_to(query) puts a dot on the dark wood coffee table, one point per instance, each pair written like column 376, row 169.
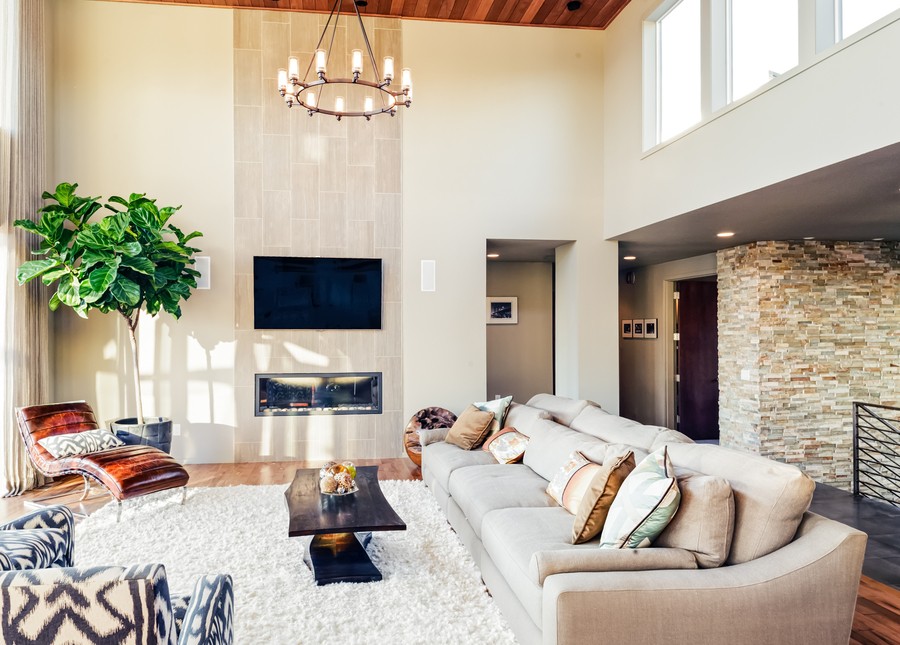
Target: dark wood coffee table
column 342, row 525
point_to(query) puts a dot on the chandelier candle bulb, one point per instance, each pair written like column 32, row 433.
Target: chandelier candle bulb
column 405, row 79
column 356, row 62
column 367, row 104
column 294, row 69
column 339, row 104
column 388, row 68
column 321, row 56
column 282, row 80
column 311, row 99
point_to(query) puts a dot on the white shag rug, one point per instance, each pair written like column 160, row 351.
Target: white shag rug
column 431, row 591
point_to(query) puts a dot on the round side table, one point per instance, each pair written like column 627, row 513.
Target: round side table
column 424, row 419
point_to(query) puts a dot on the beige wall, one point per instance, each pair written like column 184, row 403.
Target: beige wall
column 486, row 156
column 646, row 366
column 520, row 356
column 142, row 103
column 313, row 186
column 838, row 107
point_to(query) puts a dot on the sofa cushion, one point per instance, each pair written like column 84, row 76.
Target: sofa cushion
column 499, row 407
column 770, row 498
column 439, row 460
column 523, row 417
column 614, row 429
column 508, row 446
column 562, row 409
column 644, row 506
column 602, row 490
column 667, row 436
column 478, row 490
column 704, row 523
column 471, row 428
column 551, row 444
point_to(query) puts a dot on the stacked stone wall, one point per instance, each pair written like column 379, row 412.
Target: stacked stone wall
column 806, row 329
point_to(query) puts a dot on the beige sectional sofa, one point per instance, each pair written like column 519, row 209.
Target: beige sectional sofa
column 763, row 570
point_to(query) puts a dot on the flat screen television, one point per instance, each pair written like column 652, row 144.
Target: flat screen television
column 316, row 293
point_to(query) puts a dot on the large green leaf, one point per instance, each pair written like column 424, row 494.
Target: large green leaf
column 28, row 225
column 126, row 291
column 95, row 256
column 131, row 249
column 54, row 274
column 139, row 264
column 64, row 193
column 92, row 237
column 98, row 282
column 30, row 270
column 114, row 226
column 67, row 291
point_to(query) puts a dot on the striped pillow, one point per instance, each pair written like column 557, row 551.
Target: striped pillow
column 80, row 443
column 573, row 480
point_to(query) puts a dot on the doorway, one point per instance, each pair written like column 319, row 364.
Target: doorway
column 697, row 359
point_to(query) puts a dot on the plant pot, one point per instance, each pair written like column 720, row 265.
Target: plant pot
column 155, row 431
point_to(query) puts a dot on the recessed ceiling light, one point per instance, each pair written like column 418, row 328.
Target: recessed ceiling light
column 630, row 257
column 725, row 234
column 809, row 238
column 493, row 255
column 877, row 239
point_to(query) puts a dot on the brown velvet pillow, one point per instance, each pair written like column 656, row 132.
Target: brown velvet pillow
column 599, row 497
column 470, row 429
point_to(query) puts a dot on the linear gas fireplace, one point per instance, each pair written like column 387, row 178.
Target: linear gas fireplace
column 300, row 394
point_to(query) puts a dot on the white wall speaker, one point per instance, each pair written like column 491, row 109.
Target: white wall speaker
column 202, row 265
column 428, row 275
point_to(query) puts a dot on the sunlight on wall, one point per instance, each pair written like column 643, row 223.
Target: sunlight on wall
column 307, row 356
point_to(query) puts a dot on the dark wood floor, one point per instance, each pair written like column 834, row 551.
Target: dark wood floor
column 877, row 620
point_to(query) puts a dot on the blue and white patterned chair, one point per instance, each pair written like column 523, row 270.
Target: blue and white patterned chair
column 39, row 540
column 100, row 605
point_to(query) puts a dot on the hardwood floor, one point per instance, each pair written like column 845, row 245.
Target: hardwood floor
column 877, row 619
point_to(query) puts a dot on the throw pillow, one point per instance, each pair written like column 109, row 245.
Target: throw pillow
column 499, row 408
column 569, row 485
column 470, row 429
column 704, row 524
column 645, row 505
column 594, row 508
column 80, row 443
column 507, row 446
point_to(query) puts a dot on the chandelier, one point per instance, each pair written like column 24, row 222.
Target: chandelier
column 359, row 95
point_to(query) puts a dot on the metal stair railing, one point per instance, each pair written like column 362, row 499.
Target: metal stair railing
column 876, row 452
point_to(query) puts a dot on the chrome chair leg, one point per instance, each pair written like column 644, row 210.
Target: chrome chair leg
column 183, row 494
column 118, row 510
column 87, row 488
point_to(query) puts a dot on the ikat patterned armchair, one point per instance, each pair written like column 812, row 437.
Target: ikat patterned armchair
column 57, row 604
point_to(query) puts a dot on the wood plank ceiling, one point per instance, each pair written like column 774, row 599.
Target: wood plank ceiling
column 591, row 14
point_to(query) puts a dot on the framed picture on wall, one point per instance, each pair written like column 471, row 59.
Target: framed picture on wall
column 650, row 328
column 637, row 329
column 502, row 310
column 626, row 329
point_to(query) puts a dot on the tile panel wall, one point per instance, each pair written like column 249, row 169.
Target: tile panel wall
column 313, row 186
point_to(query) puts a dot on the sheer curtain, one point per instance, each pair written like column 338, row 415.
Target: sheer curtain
column 24, row 341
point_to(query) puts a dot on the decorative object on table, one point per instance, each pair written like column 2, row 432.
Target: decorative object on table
column 125, row 471
column 637, row 329
column 650, row 328
column 358, row 96
column 38, row 540
column 132, row 260
column 502, row 310
column 242, row 530
column 337, row 478
column 626, row 329
column 424, row 419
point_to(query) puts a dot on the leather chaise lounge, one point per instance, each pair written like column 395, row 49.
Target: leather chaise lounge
column 126, row 471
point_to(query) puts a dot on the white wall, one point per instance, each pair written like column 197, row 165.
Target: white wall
column 520, row 356
column 504, row 141
column 142, row 98
column 842, row 105
column 646, row 366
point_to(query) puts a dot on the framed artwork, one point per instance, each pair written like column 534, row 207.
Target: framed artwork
column 502, row 310
column 637, row 329
column 626, row 329
column 649, row 327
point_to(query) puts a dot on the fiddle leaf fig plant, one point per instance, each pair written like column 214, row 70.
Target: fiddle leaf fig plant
column 131, row 260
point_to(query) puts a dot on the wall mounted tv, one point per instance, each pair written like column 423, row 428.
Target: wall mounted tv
column 316, row 293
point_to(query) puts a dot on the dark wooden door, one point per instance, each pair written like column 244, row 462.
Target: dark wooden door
column 698, row 360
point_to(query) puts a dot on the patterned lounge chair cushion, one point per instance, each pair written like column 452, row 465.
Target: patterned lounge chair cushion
column 38, row 540
column 80, row 443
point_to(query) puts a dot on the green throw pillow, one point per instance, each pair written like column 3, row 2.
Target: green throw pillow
column 499, row 408
column 644, row 506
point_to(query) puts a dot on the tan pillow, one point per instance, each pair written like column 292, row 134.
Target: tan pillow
column 704, row 523
column 599, row 497
column 470, row 428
